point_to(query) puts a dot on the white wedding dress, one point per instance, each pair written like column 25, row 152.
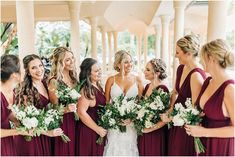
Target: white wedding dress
column 118, row 143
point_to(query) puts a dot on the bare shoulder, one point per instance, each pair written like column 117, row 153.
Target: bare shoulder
column 196, row 76
column 110, row 80
column 138, row 79
column 229, row 90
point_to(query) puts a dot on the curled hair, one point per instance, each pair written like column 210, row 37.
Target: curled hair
column 220, row 50
column 27, row 93
column 57, row 65
column 189, row 44
column 118, row 59
column 9, row 64
column 85, row 74
column 159, row 66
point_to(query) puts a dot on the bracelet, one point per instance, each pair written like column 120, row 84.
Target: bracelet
column 156, row 126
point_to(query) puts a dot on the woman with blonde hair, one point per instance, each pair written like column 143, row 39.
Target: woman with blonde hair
column 216, row 99
column 153, row 141
column 63, row 72
column 189, row 79
column 129, row 85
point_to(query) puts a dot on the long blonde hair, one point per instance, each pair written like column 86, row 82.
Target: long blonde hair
column 57, row 65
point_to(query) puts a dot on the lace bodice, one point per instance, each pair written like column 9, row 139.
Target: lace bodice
column 118, row 143
column 116, row 91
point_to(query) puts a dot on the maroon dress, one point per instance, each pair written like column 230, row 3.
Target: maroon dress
column 86, row 137
column 214, row 118
column 7, row 144
column 68, row 126
column 179, row 143
column 39, row 145
column 153, row 143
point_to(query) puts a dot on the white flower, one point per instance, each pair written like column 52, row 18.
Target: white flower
column 153, row 106
column 20, row 115
column 30, row 122
column 188, row 103
column 48, row 120
column 179, row 107
column 148, row 124
column 74, row 94
column 112, row 121
column 178, row 121
column 141, row 113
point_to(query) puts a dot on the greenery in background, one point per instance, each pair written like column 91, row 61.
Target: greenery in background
column 50, row 35
column 6, row 29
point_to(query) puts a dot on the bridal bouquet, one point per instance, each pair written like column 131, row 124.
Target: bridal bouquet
column 148, row 114
column 188, row 115
column 30, row 118
column 69, row 95
column 52, row 119
column 126, row 109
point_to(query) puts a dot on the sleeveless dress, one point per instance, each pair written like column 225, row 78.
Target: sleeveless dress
column 179, row 143
column 153, row 143
column 68, row 126
column 86, row 138
column 39, row 145
column 214, row 118
column 118, row 143
column 7, row 144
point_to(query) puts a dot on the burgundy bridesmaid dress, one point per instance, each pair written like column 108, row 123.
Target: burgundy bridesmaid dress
column 153, row 143
column 39, row 145
column 7, row 144
column 86, row 138
column 68, row 126
column 179, row 143
column 214, row 118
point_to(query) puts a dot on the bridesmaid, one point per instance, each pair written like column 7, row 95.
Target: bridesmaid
column 189, row 79
column 10, row 77
column 153, row 141
column 63, row 72
column 92, row 95
column 34, row 91
column 216, row 99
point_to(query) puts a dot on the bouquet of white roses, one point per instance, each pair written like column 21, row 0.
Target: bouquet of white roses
column 126, row 109
column 30, row 118
column 52, row 119
column 148, row 114
column 69, row 95
column 187, row 115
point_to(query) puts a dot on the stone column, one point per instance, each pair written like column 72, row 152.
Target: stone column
column 139, row 48
column 74, row 9
column 25, row 28
column 179, row 7
column 115, row 41
column 158, row 41
column 217, row 14
column 145, row 47
column 165, row 19
column 110, row 51
column 104, row 48
column 93, row 22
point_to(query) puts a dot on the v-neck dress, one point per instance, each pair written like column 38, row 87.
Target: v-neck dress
column 179, row 143
column 214, row 118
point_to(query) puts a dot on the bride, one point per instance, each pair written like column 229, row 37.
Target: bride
column 118, row 143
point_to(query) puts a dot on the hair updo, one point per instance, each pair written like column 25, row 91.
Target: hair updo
column 189, row 44
column 9, row 64
column 159, row 66
column 220, row 50
column 119, row 57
